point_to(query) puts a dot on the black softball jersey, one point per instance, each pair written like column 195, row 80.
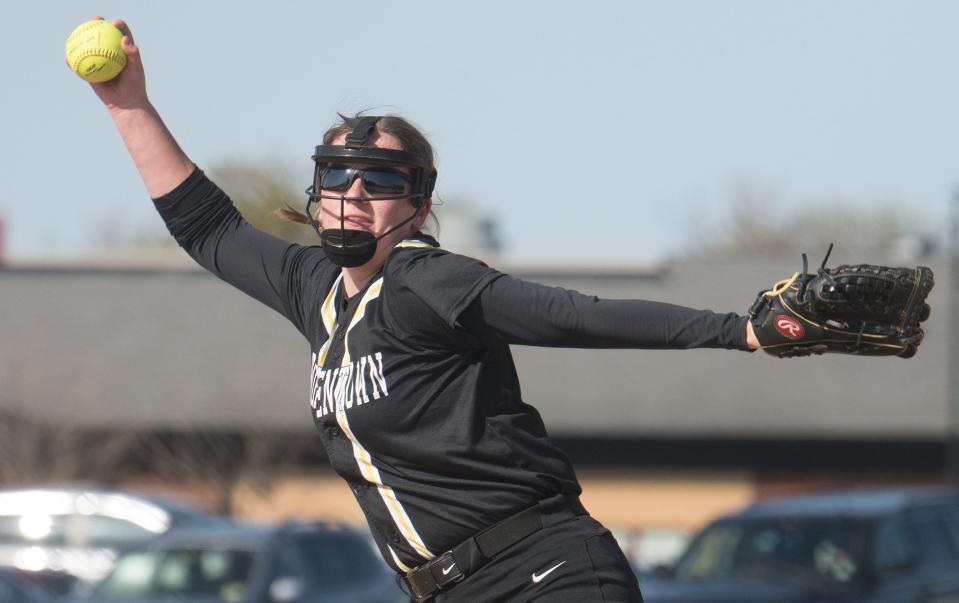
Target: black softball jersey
column 412, row 386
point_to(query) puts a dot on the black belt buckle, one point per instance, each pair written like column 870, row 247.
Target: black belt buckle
column 433, row 576
column 445, row 570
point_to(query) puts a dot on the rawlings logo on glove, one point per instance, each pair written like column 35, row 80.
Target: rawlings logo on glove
column 789, row 327
column 851, row 309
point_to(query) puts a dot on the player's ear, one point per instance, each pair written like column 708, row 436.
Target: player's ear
column 422, row 214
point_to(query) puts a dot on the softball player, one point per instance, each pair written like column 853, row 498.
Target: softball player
column 413, row 389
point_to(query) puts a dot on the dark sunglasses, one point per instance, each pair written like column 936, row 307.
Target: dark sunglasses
column 376, row 180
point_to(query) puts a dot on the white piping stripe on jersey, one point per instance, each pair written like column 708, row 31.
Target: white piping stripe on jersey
column 414, row 243
column 402, row 566
column 328, row 314
column 364, row 459
column 371, row 293
column 328, row 309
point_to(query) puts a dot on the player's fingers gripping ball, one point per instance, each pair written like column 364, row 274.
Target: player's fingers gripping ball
column 94, row 51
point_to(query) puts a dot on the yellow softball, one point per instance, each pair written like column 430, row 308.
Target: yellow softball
column 94, row 51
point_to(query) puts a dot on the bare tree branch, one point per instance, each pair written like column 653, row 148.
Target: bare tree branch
column 755, row 224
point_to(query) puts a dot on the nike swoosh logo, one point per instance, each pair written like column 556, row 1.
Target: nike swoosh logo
column 449, row 569
column 538, row 577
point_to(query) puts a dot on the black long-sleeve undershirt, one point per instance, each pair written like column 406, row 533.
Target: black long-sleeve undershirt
column 511, row 310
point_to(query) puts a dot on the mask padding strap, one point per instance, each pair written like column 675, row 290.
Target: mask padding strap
column 361, row 132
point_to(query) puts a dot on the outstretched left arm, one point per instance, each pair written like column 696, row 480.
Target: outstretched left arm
column 511, row 310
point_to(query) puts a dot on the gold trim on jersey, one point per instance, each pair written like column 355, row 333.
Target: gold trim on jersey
column 371, row 293
column 414, row 243
column 364, row 459
column 328, row 314
column 402, row 566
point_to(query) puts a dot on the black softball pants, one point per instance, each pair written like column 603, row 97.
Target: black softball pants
column 577, row 560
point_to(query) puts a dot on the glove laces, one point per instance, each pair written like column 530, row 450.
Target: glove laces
column 822, row 272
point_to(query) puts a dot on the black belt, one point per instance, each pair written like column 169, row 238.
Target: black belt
column 454, row 565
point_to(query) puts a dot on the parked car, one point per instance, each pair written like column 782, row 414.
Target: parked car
column 293, row 562
column 895, row 545
column 14, row 588
column 69, row 534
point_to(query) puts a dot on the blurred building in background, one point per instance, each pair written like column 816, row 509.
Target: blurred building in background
column 140, row 370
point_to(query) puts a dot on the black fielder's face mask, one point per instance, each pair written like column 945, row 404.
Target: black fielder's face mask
column 387, row 176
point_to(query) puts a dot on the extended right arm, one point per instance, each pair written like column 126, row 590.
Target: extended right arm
column 197, row 213
column 160, row 160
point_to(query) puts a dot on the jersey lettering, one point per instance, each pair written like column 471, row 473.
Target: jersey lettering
column 349, row 388
column 314, row 383
column 377, row 377
column 327, row 391
column 345, row 387
column 338, row 389
column 359, row 383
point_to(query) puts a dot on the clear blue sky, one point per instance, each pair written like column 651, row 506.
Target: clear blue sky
column 636, row 118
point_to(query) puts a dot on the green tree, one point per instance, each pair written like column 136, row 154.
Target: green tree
column 260, row 189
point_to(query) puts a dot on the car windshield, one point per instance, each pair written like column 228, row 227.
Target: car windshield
column 71, row 530
column 78, row 519
column 215, row 575
column 813, row 551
